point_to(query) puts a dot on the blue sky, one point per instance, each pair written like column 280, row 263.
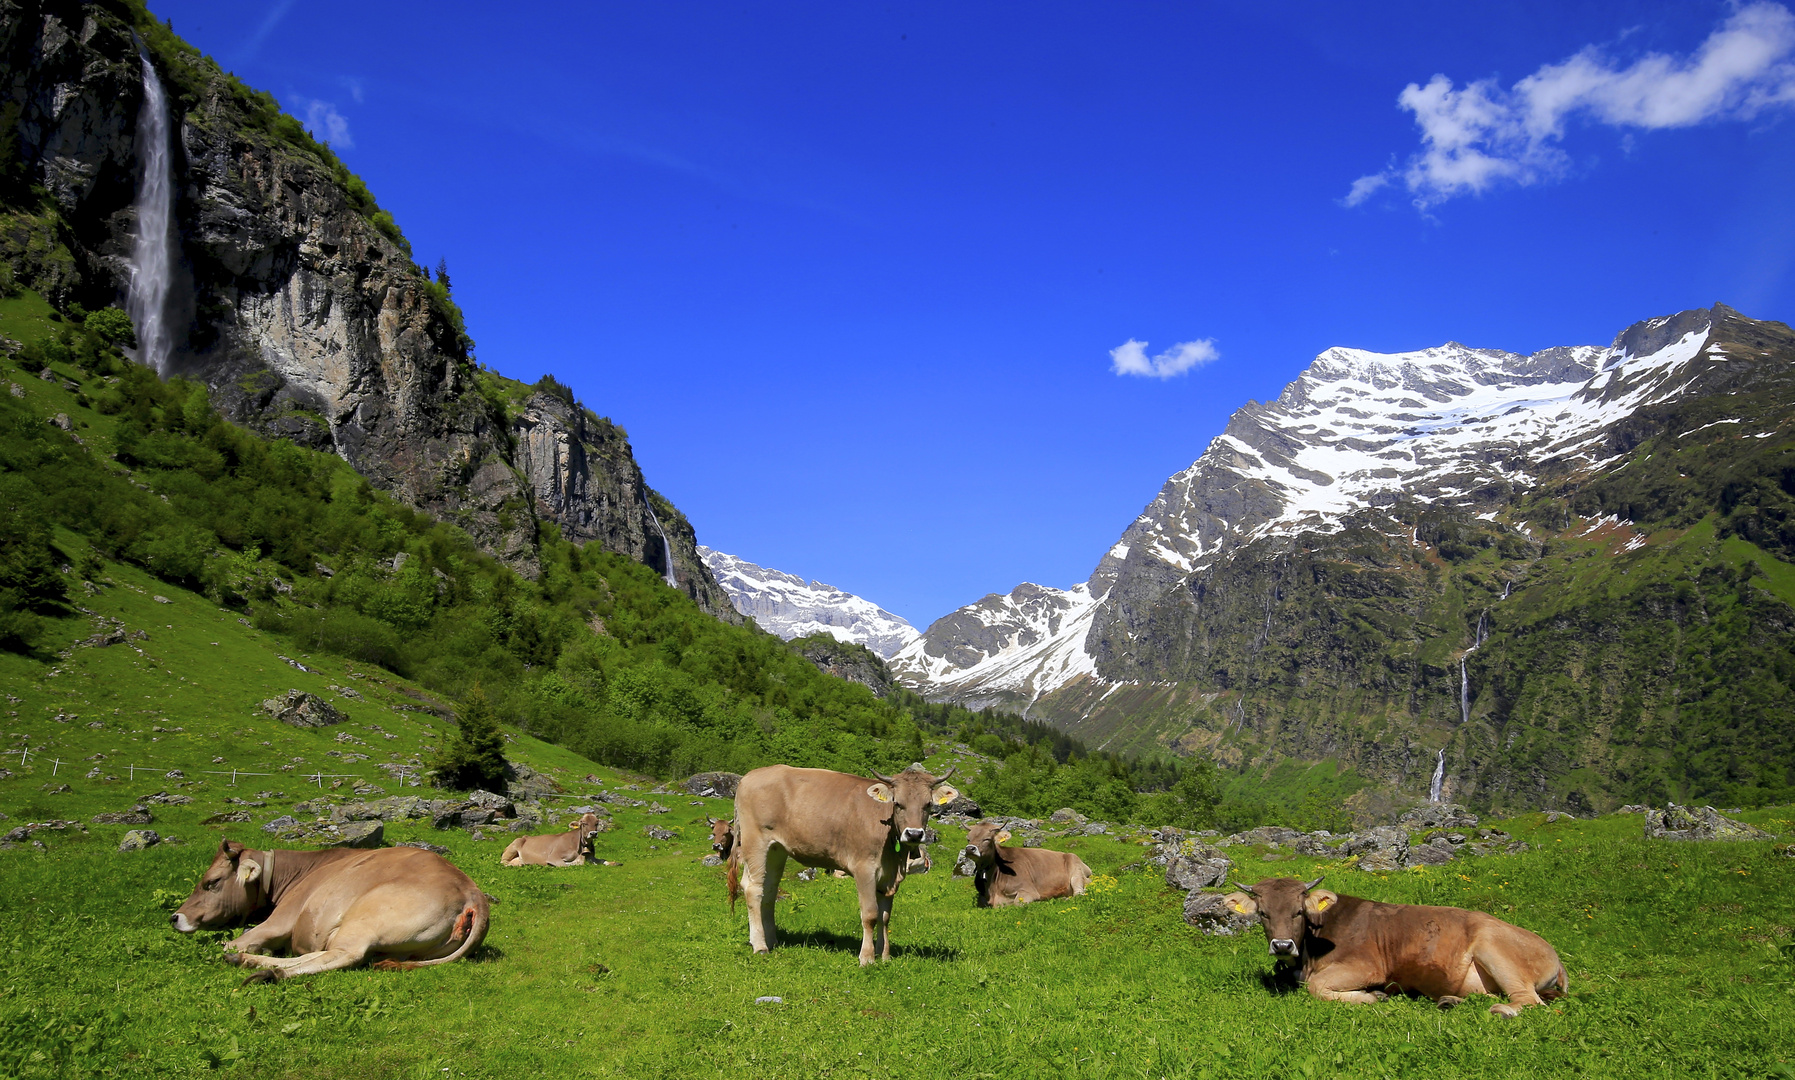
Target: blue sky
column 852, row 275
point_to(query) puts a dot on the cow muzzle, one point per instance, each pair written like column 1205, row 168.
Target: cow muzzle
column 913, row 836
column 180, row 922
column 971, row 852
column 1283, row 946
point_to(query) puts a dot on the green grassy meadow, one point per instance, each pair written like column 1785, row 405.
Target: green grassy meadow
column 641, row 969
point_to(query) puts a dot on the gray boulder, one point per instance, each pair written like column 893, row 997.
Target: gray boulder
column 303, row 710
column 358, row 834
column 229, row 818
column 498, row 804
column 427, row 846
column 711, row 785
column 1692, row 823
column 1065, row 815
column 525, row 784
column 1376, row 839
column 1438, row 816
column 394, row 808
column 1210, row 915
column 463, row 815
column 1188, row 873
column 962, row 806
column 712, row 859
column 1433, row 853
column 1383, row 860
column 138, row 839
column 285, row 821
column 1267, row 834
column 656, row 833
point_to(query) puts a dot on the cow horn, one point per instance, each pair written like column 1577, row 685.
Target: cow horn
column 883, row 779
column 1312, row 884
column 943, row 778
column 1243, row 888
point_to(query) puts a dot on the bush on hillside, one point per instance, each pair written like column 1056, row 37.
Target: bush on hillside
column 474, row 756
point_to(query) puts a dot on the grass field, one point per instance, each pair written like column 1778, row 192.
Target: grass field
column 641, row 970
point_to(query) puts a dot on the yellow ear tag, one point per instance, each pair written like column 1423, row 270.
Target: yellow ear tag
column 1322, row 902
column 1003, row 837
column 1239, row 908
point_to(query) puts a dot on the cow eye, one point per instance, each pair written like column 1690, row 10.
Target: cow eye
column 210, row 885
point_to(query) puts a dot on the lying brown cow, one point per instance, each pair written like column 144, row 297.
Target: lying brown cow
column 1005, row 876
column 394, row 907
column 872, row 829
column 570, row 848
column 1348, row 949
column 722, row 837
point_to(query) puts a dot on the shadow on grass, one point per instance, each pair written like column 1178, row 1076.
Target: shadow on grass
column 834, row 942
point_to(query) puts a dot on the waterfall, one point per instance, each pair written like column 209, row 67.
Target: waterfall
column 1507, row 587
column 1439, row 780
column 672, row 583
column 1464, row 691
column 152, row 251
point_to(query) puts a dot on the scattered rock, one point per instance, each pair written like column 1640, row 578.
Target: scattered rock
column 1553, row 816
column 527, row 785
column 228, row 818
column 359, row 834
column 285, row 821
column 712, row 859
column 426, row 845
column 163, row 798
column 303, row 710
column 1065, row 815
column 769, row 1001
column 1433, row 853
column 1190, row 873
column 657, row 808
column 1095, row 828
column 1438, row 816
column 711, row 785
column 1266, row 834
column 654, row 833
column 498, row 804
column 1519, row 847
column 961, row 805
column 1383, row 860
column 137, row 815
column 1634, row 808
column 161, row 599
column 55, row 789
column 138, row 839
column 1697, row 823
column 807, row 874
column 1210, row 915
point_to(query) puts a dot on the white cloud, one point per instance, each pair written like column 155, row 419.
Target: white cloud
column 1130, row 358
column 326, row 123
column 1482, row 135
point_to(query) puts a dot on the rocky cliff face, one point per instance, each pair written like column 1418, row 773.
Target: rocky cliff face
column 1524, row 561
column 299, row 302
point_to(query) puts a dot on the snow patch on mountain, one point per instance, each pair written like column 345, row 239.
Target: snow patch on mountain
column 787, row 605
column 1019, row 645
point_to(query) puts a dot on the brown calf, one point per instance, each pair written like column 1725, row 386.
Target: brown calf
column 570, row 848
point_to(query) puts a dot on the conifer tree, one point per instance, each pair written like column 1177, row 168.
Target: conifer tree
column 474, row 757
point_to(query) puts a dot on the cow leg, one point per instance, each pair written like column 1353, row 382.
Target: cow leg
column 885, row 927
column 872, row 934
column 1503, row 974
column 1346, row 983
column 310, row 964
column 760, row 886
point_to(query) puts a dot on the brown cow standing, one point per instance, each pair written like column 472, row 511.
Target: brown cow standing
column 1007, row 876
column 396, row 907
column 1349, row 949
column 870, row 828
column 570, row 848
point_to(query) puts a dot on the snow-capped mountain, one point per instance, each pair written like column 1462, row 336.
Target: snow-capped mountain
column 787, row 605
column 1356, row 431
column 1003, row 648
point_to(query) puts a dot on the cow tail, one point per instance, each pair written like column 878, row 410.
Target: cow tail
column 470, row 931
column 735, row 880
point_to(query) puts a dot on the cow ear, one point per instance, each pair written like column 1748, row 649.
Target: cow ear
column 879, row 792
column 248, row 872
column 230, row 849
column 1318, row 903
column 945, row 795
column 1241, row 904
column 1003, row 837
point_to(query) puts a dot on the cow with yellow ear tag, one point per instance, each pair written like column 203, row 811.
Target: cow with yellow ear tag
column 1004, row 876
column 1344, row 948
column 873, row 829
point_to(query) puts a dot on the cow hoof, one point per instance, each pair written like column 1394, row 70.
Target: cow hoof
column 1507, row 1012
column 232, row 956
column 1380, row 995
column 1450, row 1002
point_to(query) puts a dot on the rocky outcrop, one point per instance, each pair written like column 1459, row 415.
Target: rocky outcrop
column 846, row 660
column 297, row 301
column 1698, row 823
column 300, row 709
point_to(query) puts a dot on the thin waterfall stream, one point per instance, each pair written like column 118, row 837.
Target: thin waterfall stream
column 672, row 582
column 1439, row 780
column 152, row 250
